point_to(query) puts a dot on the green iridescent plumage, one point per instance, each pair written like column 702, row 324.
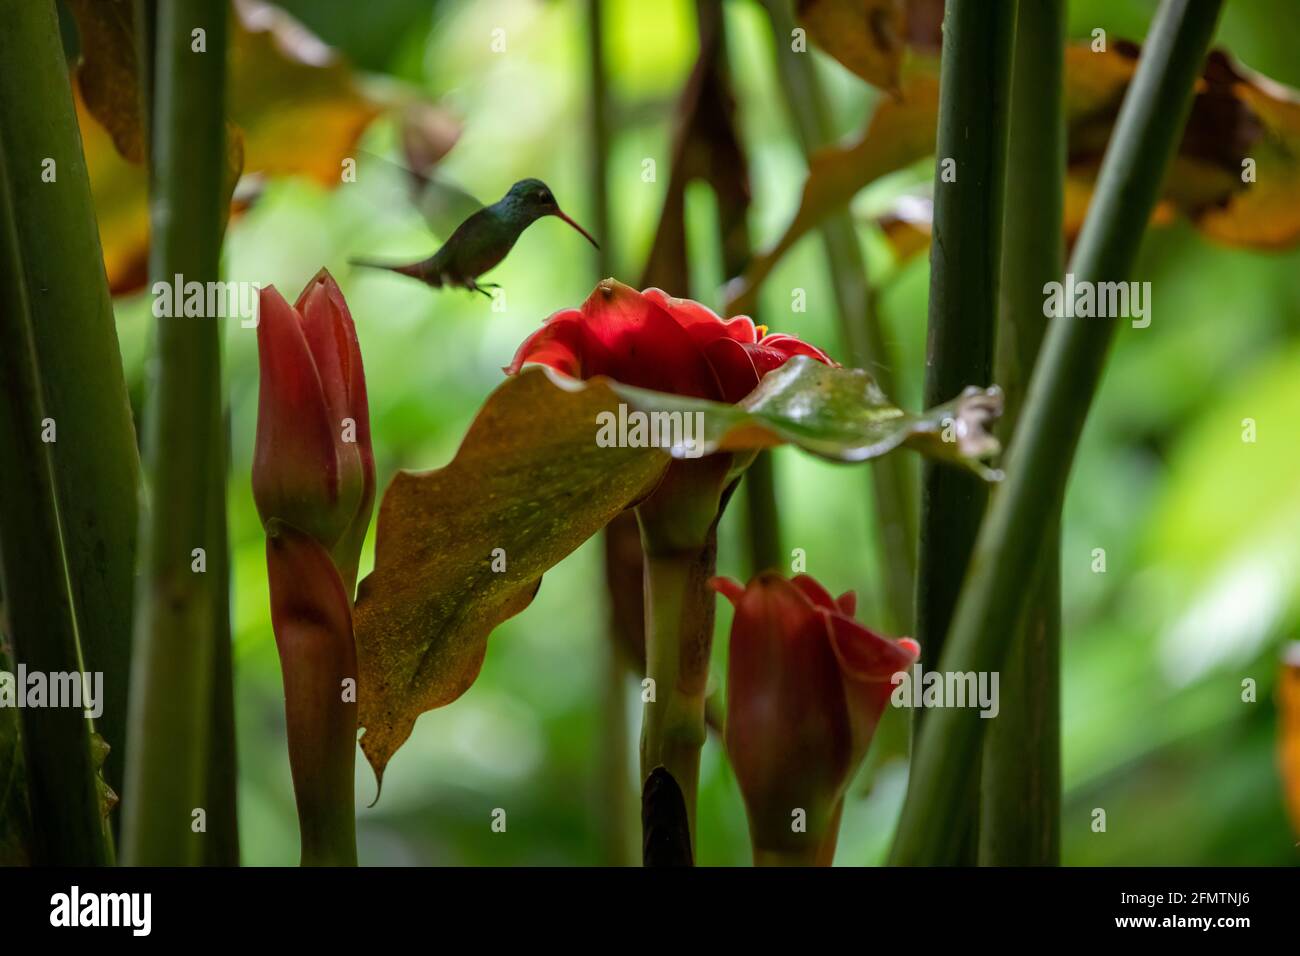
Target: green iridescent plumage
column 485, row 238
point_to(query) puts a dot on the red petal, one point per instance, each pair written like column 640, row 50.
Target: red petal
column 864, row 655
column 733, row 368
column 868, row 662
column 729, row 588
column 813, row 591
column 702, row 323
column 332, row 338
column 637, row 342
column 768, row 357
column 558, row 344
column 295, row 469
column 848, row 603
column 787, row 732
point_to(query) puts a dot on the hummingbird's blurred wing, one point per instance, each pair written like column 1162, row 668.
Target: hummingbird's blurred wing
column 441, row 204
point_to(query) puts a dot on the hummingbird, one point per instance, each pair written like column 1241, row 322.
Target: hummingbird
column 483, row 239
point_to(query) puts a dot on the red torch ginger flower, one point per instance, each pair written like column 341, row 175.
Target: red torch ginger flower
column 651, row 340
column 806, row 686
column 313, row 467
column 314, row 484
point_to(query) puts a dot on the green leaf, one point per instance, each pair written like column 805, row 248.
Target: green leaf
column 835, row 413
column 15, row 821
column 531, row 480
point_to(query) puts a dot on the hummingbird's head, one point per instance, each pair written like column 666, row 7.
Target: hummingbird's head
column 530, row 199
column 533, row 198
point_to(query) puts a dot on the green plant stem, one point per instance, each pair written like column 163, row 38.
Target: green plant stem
column 965, row 249
column 181, row 608
column 679, row 637
column 96, row 465
column 892, row 476
column 1060, row 393
column 1020, row 810
column 818, row 853
column 67, row 823
column 615, row 806
column 221, row 848
column 762, row 512
column 763, row 519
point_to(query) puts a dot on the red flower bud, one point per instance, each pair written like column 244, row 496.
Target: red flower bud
column 313, row 467
column 806, row 685
column 651, row 340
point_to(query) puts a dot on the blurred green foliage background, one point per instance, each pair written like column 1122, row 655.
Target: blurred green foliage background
column 1201, row 531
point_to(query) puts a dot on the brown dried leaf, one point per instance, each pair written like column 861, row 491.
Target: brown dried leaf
column 293, row 97
column 1288, row 706
column 108, row 73
column 867, row 36
column 1236, row 115
column 294, row 106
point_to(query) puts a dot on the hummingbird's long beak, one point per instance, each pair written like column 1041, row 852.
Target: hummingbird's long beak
column 561, row 215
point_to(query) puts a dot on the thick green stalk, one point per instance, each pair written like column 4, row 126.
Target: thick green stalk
column 1060, row 393
column 762, row 513
column 183, row 596
column 679, row 637
column 221, row 848
column 817, row 853
column 96, row 465
column 616, row 812
column 1020, row 808
column 965, row 253
column 763, row 520
column 67, row 823
column 891, row 476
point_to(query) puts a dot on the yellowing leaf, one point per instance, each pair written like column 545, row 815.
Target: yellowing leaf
column 294, row 106
column 528, row 480
column 293, row 97
column 867, row 36
column 108, row 75
column 1242, row 126
column 900, row 132
column 1288, row 707
column 120, row 190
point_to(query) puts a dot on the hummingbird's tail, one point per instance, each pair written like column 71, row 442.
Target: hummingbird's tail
column 416, row 270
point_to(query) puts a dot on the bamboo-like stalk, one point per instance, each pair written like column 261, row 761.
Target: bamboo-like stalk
column 1020, row 809
column 965, row 252
column 181, row 607
column 67, row 823
column 892, row 477
column 1060, row 393
column 762, row 517
column 762, row 512
column 615, row 805
column 96, row 465
column 221, row 847
column 679, row 636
